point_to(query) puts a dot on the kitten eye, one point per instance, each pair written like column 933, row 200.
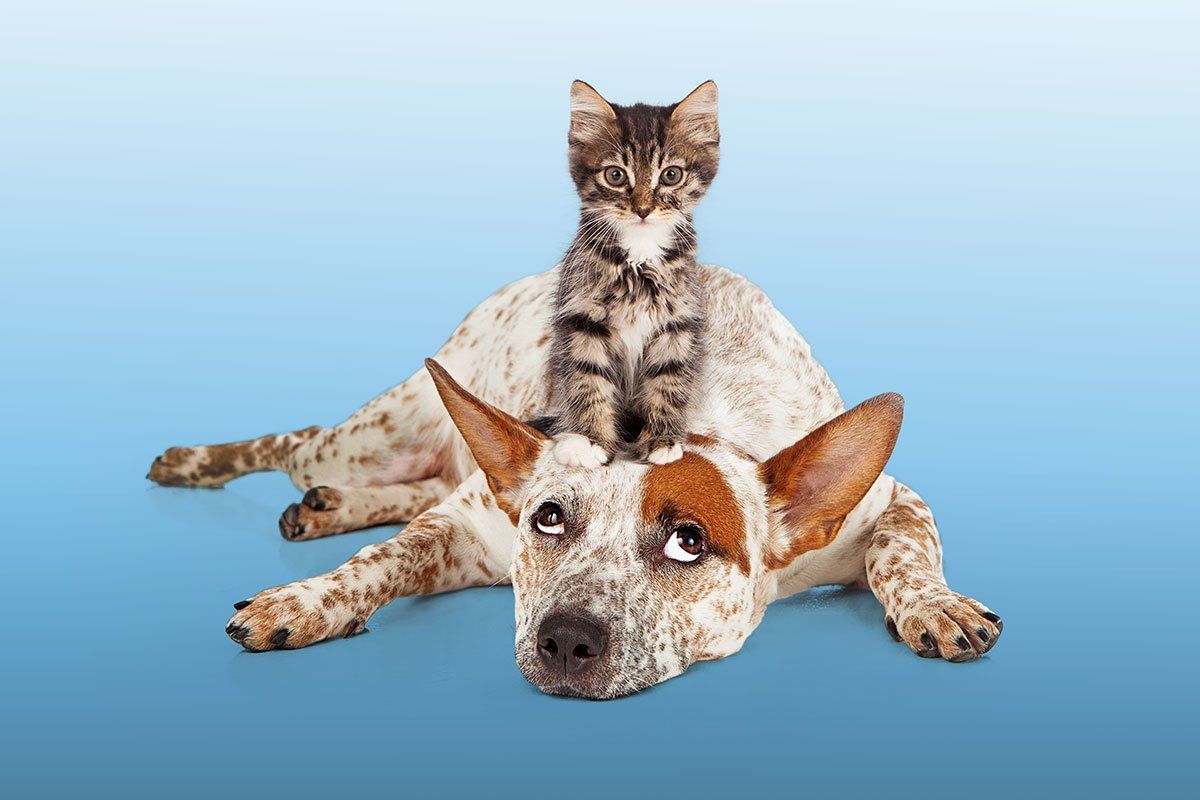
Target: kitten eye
column 685, row 544
column 615, row 176
column 671, row 176
column 549, row 519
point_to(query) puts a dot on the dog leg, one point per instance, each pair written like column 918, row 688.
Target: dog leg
column 215, row 465
column 329, row 510
column 464, row 541
column 904, row 570
column 401, row 436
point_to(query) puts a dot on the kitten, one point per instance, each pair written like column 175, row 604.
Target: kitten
column 629, row 321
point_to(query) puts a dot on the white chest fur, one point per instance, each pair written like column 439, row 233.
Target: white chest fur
column 646, row 239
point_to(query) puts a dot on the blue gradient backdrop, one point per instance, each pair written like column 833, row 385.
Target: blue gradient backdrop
column 223, row 219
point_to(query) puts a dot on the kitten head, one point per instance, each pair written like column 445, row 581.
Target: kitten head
column 642, row 165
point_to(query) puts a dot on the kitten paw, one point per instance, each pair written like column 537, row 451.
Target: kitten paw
column 573, row 450
column 659, row 450
column 665, row 455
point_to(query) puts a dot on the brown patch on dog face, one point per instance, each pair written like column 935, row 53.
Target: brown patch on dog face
column 817, row 481
column 693, row 490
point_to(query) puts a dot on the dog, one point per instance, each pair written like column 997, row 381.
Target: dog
column 622, row 575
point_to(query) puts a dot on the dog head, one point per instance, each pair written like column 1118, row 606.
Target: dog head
column 625, row 575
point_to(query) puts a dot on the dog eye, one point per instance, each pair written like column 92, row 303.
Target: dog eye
column 549, row 519
column 686, row 543
column 615, row 176
column 671, row 176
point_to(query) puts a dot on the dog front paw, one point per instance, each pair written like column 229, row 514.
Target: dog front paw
column 658, row 450
column 295, row 615
column 949, row 626
column 573, row 450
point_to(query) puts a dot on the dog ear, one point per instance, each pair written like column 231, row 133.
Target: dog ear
column 815, row 483
column 504, row 447
column 591, row 114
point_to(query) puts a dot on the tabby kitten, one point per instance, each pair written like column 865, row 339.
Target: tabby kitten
column 629, row 321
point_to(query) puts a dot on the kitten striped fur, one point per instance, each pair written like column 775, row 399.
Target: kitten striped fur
column 629, row 320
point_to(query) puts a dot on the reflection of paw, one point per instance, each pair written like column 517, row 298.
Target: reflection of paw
column 659, row 450
column 291, row 616
column 949, row 626
column 573, row 450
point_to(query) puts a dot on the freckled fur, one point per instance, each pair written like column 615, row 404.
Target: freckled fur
column 759, row 393
column 629, row 320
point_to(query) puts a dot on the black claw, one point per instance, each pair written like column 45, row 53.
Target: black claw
column 230, row 628
column 239, row 633
column 927, row 640
column 240, row 604
column 992, row 618
column 280, row 637
column 962, row 643
column 891, row 626
column 983, row 634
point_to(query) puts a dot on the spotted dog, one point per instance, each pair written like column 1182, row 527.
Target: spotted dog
column 626, row 574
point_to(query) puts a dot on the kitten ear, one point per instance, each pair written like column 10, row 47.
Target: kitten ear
column 504, row 447
column 696, row 114
column 591, row 114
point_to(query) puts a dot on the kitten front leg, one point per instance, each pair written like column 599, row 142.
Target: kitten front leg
column 585, row 390
column 668, row 377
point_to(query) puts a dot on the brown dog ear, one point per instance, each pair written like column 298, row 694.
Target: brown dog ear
column 591, row 114
column 504, row 447
column 817, row 481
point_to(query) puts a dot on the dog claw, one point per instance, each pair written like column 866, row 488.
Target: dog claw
column 240, row 604
column 930, row 647
column 279, row 637
column 353, row 628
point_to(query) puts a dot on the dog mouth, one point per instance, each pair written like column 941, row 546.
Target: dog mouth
column 586, row 686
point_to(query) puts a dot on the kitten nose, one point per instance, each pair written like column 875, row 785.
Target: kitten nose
column 570, row 643
column 643, row 211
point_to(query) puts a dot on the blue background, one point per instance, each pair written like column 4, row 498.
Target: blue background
column 223, row 219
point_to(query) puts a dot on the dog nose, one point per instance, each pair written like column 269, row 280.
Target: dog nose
column 570, row 642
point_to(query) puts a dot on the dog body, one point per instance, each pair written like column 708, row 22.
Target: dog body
column 778, row 491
